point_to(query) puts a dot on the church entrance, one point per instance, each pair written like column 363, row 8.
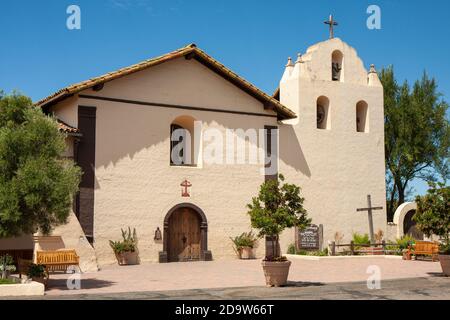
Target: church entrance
column 185, row 235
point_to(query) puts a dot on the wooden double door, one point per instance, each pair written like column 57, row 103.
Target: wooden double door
column 184, row 236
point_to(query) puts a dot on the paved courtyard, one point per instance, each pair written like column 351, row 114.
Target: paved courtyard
column 428, row 288
column 239, row 274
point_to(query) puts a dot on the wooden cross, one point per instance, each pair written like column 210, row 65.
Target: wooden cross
column 369, row 209
column 331, row 23
column 184, row 192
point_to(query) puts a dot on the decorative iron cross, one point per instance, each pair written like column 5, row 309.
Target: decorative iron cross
column 184, row 192
column 331, row 23
column 369, row 209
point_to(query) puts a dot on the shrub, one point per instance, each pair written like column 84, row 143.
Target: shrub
column 405, row 241
column 36, row 271
column 6, row 265
column 359, row 239
column 433, row 214
column 291, row 249
column 320, row 253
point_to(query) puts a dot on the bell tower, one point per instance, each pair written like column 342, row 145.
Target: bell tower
column 334, row 150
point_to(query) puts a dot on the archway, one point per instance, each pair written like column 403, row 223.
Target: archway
column 403, row 220
column 185, row 235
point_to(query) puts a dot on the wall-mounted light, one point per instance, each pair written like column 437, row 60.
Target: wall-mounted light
column 158, row 235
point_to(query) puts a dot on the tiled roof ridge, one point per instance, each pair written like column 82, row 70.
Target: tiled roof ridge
column 80, row 86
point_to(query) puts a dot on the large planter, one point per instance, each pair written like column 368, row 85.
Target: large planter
column 445, row 263
column 42, row 280
column 276, row 273
column 127, row 258
column 246, row 253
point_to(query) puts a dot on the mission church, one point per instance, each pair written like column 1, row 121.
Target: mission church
column 324, row 129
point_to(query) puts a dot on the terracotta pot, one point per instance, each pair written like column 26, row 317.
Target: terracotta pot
column 445, row 263
column 406, row 255
column 276, row 273
column 247, row 253
column 127, row 258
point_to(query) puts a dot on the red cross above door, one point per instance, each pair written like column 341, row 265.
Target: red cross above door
column 185, row 192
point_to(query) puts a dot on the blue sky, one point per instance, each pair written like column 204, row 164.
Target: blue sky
column 254, row 38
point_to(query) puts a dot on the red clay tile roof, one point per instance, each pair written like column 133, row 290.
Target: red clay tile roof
column 190, row 52
column 64, row 127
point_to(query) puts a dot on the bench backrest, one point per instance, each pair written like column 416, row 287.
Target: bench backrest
column 55, row 257
column 426, row 246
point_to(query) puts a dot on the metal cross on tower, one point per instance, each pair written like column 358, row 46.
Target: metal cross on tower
column 331, row 24
column 369, row 209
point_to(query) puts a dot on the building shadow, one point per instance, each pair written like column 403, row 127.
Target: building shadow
column 437, row 275
column 291, row 152
column 302, row 284
column 61, row 284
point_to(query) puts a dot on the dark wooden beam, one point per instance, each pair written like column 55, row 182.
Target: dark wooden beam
column 98, row 87
column 189, row 56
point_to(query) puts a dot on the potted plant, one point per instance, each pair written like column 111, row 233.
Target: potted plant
column 433, row 218
column 38, row 273
column 245, row 244
column 278, row 206
column 6, row 266
column 405, row 244
column 126, row 250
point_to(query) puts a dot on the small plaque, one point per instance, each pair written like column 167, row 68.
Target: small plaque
column 310, row 238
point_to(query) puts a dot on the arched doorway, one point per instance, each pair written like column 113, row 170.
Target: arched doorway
column 409, row 226
column 185, row 235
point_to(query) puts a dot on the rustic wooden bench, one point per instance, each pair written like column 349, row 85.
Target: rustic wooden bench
column 58, row 260
column 424, row 248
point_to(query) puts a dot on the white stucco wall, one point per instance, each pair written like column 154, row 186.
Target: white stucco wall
column 336, row 168
column 135, row 185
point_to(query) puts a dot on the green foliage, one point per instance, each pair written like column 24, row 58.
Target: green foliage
column 291, row 249
column 361, row 239
column 246, row 239
column 36, row 271
column 128, row 243
column 319, row 253
column 405, row 241
column 7, row 281
column 6, row 265
column 433, row 213
column 417, row 135
column 6, row 260
column 277, row 207
column 36, row 185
